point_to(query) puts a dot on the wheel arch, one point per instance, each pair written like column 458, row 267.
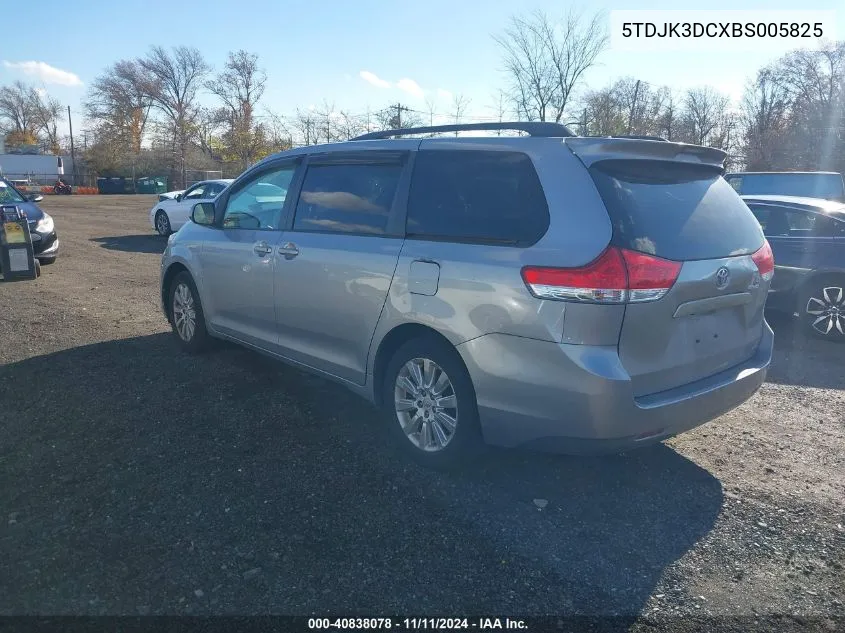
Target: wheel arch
column 391, row 342
column 167, row 281
column 813, row 277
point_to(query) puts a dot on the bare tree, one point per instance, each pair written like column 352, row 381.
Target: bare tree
column 668, row 116
column 176, row 79
column 763, row 117
column 48, row 112
column 279, row 135
column 326, row 115
column 17, row 109
column 705, row 110
column 545, row 62
column 528, row 66
column 460, row 103
column 430, row 109
column 349, row 125
column 305, row 126
column 500, row 107
column 240, row 86
column 120, row 100
column 605, row 112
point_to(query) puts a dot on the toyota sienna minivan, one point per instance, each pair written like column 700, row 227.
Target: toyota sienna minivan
column 566, row 293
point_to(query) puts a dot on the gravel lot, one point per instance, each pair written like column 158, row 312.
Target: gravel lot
column 138, row 480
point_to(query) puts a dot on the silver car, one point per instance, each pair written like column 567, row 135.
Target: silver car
column 565, row 293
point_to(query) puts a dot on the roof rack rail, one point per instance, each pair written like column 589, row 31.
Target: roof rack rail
column 641, row 138
column 532, row 128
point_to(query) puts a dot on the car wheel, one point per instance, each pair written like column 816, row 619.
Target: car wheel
column 822, row 308
column 429, row 403
column 162, row 223
column 37, row 269
column 47, row 260
column 186, row 315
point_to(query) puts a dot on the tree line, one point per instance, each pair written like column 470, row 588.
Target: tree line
column 169, row 111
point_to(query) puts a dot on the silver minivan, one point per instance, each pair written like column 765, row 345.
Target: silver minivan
column 565, row 293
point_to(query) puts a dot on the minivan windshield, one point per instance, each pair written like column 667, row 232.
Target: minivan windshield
column 826, row 186
column 674, row 210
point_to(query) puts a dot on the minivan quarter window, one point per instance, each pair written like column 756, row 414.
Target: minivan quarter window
column 259, row 202
column 354, row 197
column 476, row 196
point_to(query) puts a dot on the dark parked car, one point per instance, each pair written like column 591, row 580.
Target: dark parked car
column 45, row 242
column 807, row 237
column 827, row 185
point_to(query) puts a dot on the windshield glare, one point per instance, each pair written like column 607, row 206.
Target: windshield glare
column 9, row 194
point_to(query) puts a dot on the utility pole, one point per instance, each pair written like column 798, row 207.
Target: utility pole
column 633, row 106
column 399, row 108
column 72, row 153
column 584, row 123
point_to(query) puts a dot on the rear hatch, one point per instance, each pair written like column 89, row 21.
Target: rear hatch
column 669, row 201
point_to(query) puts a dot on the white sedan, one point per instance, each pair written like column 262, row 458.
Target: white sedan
column 169, row 214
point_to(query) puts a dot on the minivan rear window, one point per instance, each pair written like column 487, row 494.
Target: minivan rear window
column 487, row 197
column 675, row 210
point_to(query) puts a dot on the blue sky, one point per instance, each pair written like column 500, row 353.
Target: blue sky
column 314, row 51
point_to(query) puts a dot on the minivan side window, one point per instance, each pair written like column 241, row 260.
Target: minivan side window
column 476, row 196
column 258, row 203
column 347, row 198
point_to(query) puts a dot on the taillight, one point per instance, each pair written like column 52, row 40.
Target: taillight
column 617, row 276
column 765, row 261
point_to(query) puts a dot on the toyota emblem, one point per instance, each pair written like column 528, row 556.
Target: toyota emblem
column 723, row 277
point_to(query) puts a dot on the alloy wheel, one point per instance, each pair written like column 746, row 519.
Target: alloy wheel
column 827, row 311
column 184, row 312
column 162, row 223
column 426, row 404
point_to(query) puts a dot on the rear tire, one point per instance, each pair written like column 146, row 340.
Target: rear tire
column 821, row 308
column 186, row 315
column 429, row 404
column 162, row 223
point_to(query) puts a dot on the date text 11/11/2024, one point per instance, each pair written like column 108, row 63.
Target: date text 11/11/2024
column 416, row 624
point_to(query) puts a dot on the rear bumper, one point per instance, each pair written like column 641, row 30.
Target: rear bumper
column 579, row 399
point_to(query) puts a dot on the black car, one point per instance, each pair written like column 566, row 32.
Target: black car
column 807, row 236
column 45, row 242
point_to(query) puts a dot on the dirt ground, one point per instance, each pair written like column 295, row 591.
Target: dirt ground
column 136, row 479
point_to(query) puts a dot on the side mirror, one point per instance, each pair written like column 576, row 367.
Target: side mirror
column 178, row 197
column 34, row 197
column 203, row 213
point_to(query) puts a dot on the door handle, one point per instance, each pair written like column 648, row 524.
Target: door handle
column 289, row 250
column 262, row 249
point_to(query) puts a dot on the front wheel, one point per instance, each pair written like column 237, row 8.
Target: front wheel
column 162, row 224
column 429, row 404
column 822, row 309
column 186, row 315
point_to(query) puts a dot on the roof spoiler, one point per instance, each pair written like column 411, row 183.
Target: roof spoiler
column 592, row 150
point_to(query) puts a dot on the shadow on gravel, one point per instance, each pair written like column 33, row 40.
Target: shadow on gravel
column 138, row 479
column 803, row 360
column 133, row 243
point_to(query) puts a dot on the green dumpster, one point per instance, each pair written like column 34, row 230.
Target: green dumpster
column 151, row 184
